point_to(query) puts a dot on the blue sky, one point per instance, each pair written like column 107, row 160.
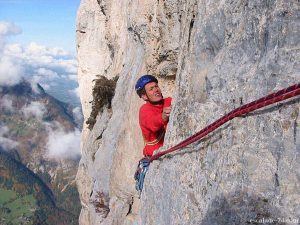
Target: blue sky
column 46, row 22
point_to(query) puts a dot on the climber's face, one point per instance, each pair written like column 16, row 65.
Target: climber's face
column 153, row 93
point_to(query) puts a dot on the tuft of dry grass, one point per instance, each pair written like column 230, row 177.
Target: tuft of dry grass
column 103, row 93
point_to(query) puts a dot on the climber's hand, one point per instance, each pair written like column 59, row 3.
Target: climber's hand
column 166, row 113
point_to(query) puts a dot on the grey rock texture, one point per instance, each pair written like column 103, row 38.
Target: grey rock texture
column 211, row 57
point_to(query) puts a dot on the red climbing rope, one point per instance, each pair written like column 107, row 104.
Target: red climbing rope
column 278, row 96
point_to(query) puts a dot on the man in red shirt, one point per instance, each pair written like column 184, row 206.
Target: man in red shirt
column 154, row 114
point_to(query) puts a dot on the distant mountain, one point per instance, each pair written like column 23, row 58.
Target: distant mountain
column 37, row 156
column 30, row 200
column 22, row 94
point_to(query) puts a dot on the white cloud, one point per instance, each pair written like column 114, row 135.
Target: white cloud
column 40, row 50
column 75, row 92
column 73, row 77
column 46, row 73
column 70, row 65
column 37, row 56
column 7, row 29
column 36, row 109
column 10, row 72
column 6, row 143
column 35, row 49
column 58, row 52
column 77, row 112
column 13, row 49
column 63, row 145
column 3, row 130
column 6, row 103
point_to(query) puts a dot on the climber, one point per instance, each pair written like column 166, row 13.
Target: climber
column 154, row 114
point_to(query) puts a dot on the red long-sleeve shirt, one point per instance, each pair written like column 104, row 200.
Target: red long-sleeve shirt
column 152, row 125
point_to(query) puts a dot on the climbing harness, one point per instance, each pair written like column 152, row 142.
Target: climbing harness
column 140, row 174
column 278, row 96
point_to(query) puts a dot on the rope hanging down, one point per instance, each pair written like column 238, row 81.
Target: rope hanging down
column 278, row 96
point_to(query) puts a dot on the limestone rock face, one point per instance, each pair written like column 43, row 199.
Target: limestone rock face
column 211, row 56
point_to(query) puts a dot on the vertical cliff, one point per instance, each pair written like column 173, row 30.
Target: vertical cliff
column 211, row 56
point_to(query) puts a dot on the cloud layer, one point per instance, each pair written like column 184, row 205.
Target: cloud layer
column 63, row 144
column 60, row 144
column 7, row 28
column 10, row 73
column 5, row 142
column 53, row 68
column 35, row 109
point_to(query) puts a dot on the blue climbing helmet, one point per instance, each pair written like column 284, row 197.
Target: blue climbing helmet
column 143, row 80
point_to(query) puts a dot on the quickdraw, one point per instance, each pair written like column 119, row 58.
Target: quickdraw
column 140, row 174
